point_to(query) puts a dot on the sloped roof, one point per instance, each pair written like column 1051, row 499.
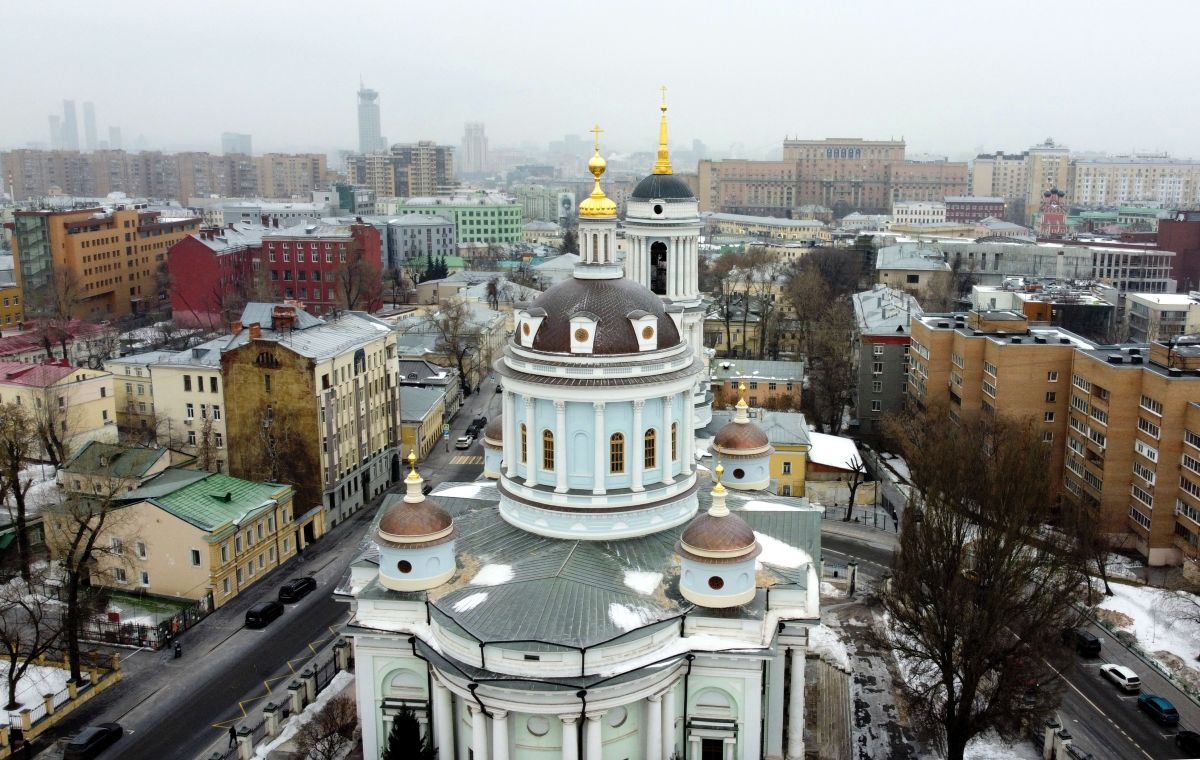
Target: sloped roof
column 113, row 460
column 207, row 500
column 37, row 375
column 416, row 403
column 832, row 450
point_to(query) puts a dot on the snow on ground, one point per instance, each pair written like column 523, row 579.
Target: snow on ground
column 37, row 682
column 341, row 682
column 832, row 591
column 898, row 466
column 993, row 748
column 627, row 617
column 776, row 552
column 1120, row 566
column 641, row 581
column 44, row 490
column 468, row 603
column 1157, row 627
column 464, row 491
column 824, row 641
column 492, row 575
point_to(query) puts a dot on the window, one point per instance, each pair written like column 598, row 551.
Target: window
column 785, row 491
column 877, row 386
column 1142, row 495
column 267, row 383
column 224, row 553
column 1048, row 417
column 225, row 586
column 117, row 547
column 1048, row 436
column 191, row 437
column 1051, row 397
column 876, row 405
column 1148, row 427
column 1146, row 450
column 989, row 368
column 187, row 382
column 878, row 350
column 1144, row 472
column 989, row 389
column 547, row 450
column 524, row 444
column 195, row 558
column 912, row 279
column 674, row 442
column 876, row 368
column 1189, row 462
column 119, row 575
column 1081, row 384
column 216, row 411
column 145, row 578
column 212, row 385
column 218, row 440
column 237, row 545
column 1052, row 376
column 141, row 549
column 616, row 453
column 650, row 448
column 787, row 468
column 190, row 412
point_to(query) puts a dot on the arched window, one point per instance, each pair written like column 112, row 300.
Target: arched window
column 674, row 442
column 595, row 247
column 616, row 453
column 547, row 450
column 524, row 444
column 650, row 448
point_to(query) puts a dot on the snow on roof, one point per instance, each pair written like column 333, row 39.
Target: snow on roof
column 832, row 451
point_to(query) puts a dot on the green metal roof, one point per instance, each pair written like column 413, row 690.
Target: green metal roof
column 113, row 460
column 207, row 500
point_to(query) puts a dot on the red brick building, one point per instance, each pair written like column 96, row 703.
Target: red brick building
column 212, row 273
column 1182, row 235
column 971, row 208
column 326, row 266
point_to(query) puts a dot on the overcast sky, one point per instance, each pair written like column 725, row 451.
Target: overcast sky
column 951, row 77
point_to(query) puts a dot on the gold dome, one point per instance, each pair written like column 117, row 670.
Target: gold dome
column 597, row 204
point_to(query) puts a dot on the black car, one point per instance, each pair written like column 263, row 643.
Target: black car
column 93, row 740
column 261, row 614
column 1085, row 642
column 296, row 589
column 1188, row 741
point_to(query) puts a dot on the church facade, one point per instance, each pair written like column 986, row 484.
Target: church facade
column 605, row 596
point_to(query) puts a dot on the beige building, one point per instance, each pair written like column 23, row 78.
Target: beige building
column 1047, row 167
column 133, row 389
column 422, row 414
column 76, row 402
column 1161, row 316
column 918, row 213
column 1116, row 180
column 188, row 394
column 809, row 231
column 1021, row 178
column 287, row 175
column 1114, row 417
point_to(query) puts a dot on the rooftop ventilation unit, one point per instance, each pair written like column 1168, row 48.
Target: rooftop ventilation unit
column 1116, row 359
column 1016, row 339
column 1039, row 339
column 1135, row 360
column 943, row 324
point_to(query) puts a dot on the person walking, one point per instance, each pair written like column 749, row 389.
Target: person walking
column 232, row 735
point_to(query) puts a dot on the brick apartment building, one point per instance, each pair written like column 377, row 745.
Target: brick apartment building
column 326, row 266
column 972, row 208
column 212, row 273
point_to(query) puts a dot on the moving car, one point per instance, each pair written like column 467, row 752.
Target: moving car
column 1122, row 676
column 92, row 740
column 1085, row 642
column 1159, row 708
column 296, row 589
column 464, row 442
column 261, row 614
column 1188, row 741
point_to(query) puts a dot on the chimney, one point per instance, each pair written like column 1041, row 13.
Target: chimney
column 231, row 225
column 255, row 330
column 235, row 327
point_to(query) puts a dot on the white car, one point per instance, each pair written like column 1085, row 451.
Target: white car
column 464, row 442
column 1122, row 676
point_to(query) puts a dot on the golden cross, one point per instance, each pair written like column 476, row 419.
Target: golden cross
column 664, row 94
column 596, row 130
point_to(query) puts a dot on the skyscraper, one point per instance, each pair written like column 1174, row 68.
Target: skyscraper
column 70, row 128
column 474, row 148
column 89, row 126
column 235, row 142
column 369, row 138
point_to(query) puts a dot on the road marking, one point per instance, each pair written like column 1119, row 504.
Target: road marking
column 856, row 558
column 1098, row 710
column 467, row 460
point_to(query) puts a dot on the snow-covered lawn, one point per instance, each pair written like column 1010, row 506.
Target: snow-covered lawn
column 37, row 682
column 343, row 681
column 43, row 492
column 1120, row 566
column 993, row 748
column 1150, row 616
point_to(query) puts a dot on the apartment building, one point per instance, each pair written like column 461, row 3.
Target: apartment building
column 406, row 170
column 1116, row 180
column 883, row 318
column 1161, row 316
column 1115, row 417
column 769, row 384
column 479, row 218
column 133, row 391
column 94, row 262
column 967, row 208
column 1021, row 178
column 326, row 267
column 213, row 272
column 77, row 403
column 918, row 212
column 287, row 175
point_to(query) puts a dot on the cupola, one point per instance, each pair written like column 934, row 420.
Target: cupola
column 493, row 447
column 416, row 539
column 746, row 447
column 717, row 552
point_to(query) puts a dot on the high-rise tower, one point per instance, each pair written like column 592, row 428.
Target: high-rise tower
column 369, row 138
column 474, row 148
column 70, row 128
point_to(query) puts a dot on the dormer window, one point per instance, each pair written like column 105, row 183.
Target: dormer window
column 645, row 327
column 583, row 333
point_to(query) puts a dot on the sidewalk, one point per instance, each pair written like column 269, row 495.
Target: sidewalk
column 880, row 539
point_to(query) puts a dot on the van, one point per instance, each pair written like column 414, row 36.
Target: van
column 296, row 589
column 1085, row 643
column 261, row 614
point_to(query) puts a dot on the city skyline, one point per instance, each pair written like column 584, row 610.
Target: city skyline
column 955, row 82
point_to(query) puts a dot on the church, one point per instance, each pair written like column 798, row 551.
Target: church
column 598, row 595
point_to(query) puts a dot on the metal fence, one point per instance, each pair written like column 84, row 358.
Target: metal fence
column 325, row 673
column 155, row 636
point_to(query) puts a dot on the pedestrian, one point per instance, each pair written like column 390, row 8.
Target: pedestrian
column 232, row 735
column 178, row 649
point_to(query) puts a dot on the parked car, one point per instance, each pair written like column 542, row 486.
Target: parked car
column 296, row 589
column 261, row 614
column 464, row 442
column 1159, row 708
column 499, row 388
column 93, row 740
column 1189, row 742
column 1122, row 676
column 1085, row 642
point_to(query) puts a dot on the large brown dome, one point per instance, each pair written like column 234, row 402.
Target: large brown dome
column 412, row 523
column 741, row 436
column 611, row 303
column 728, row 538
column 495, row 428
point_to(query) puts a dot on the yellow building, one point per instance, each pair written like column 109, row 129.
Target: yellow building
column 196, row 535
column 133, row 387
column 76, row 402
column 788, row 434
column 12, row 312
column 94, row 262
column 422, row 413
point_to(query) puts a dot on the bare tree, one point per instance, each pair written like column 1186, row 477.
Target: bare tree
column 977, row 599
column 830, row 367
column 50, row 420
column 30, row 626
column 400, row 283
column 206, row 454
column 331, row 732
column 18, row 441
column 98, row 346
column 724, row 292
column 858, row 473
column 458, row 337
column 808, row 295
column 358, row 283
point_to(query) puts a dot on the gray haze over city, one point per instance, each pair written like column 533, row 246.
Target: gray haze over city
column 951, row 78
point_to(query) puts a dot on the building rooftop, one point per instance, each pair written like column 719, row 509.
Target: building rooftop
column 311, row 230
column 113, row 460
column 1168, row 299
column 233, row 236
column 884, row 311
column 460, row 200
column 908, row 256
column 419, row 220
column 416, row 403
column 972, row 199
column 833, row 451
column 735, row 369
column 772, row 221
column 41, row 375
column 208, row 500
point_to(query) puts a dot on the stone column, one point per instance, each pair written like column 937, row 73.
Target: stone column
column 479, row 739
column 532, row 444
column 668, row 723
column 666, row 440
column 795, row 745
column 560, row 446
column 638, row 460
column 601, row 447
column 443, row 721
column 499, row 735
column 693, row 748
column 693, row 261
column 510, row 434
column 570, row 737
column 592, row 742
column 730, row 744
column 774, row 723
column 654, row 717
